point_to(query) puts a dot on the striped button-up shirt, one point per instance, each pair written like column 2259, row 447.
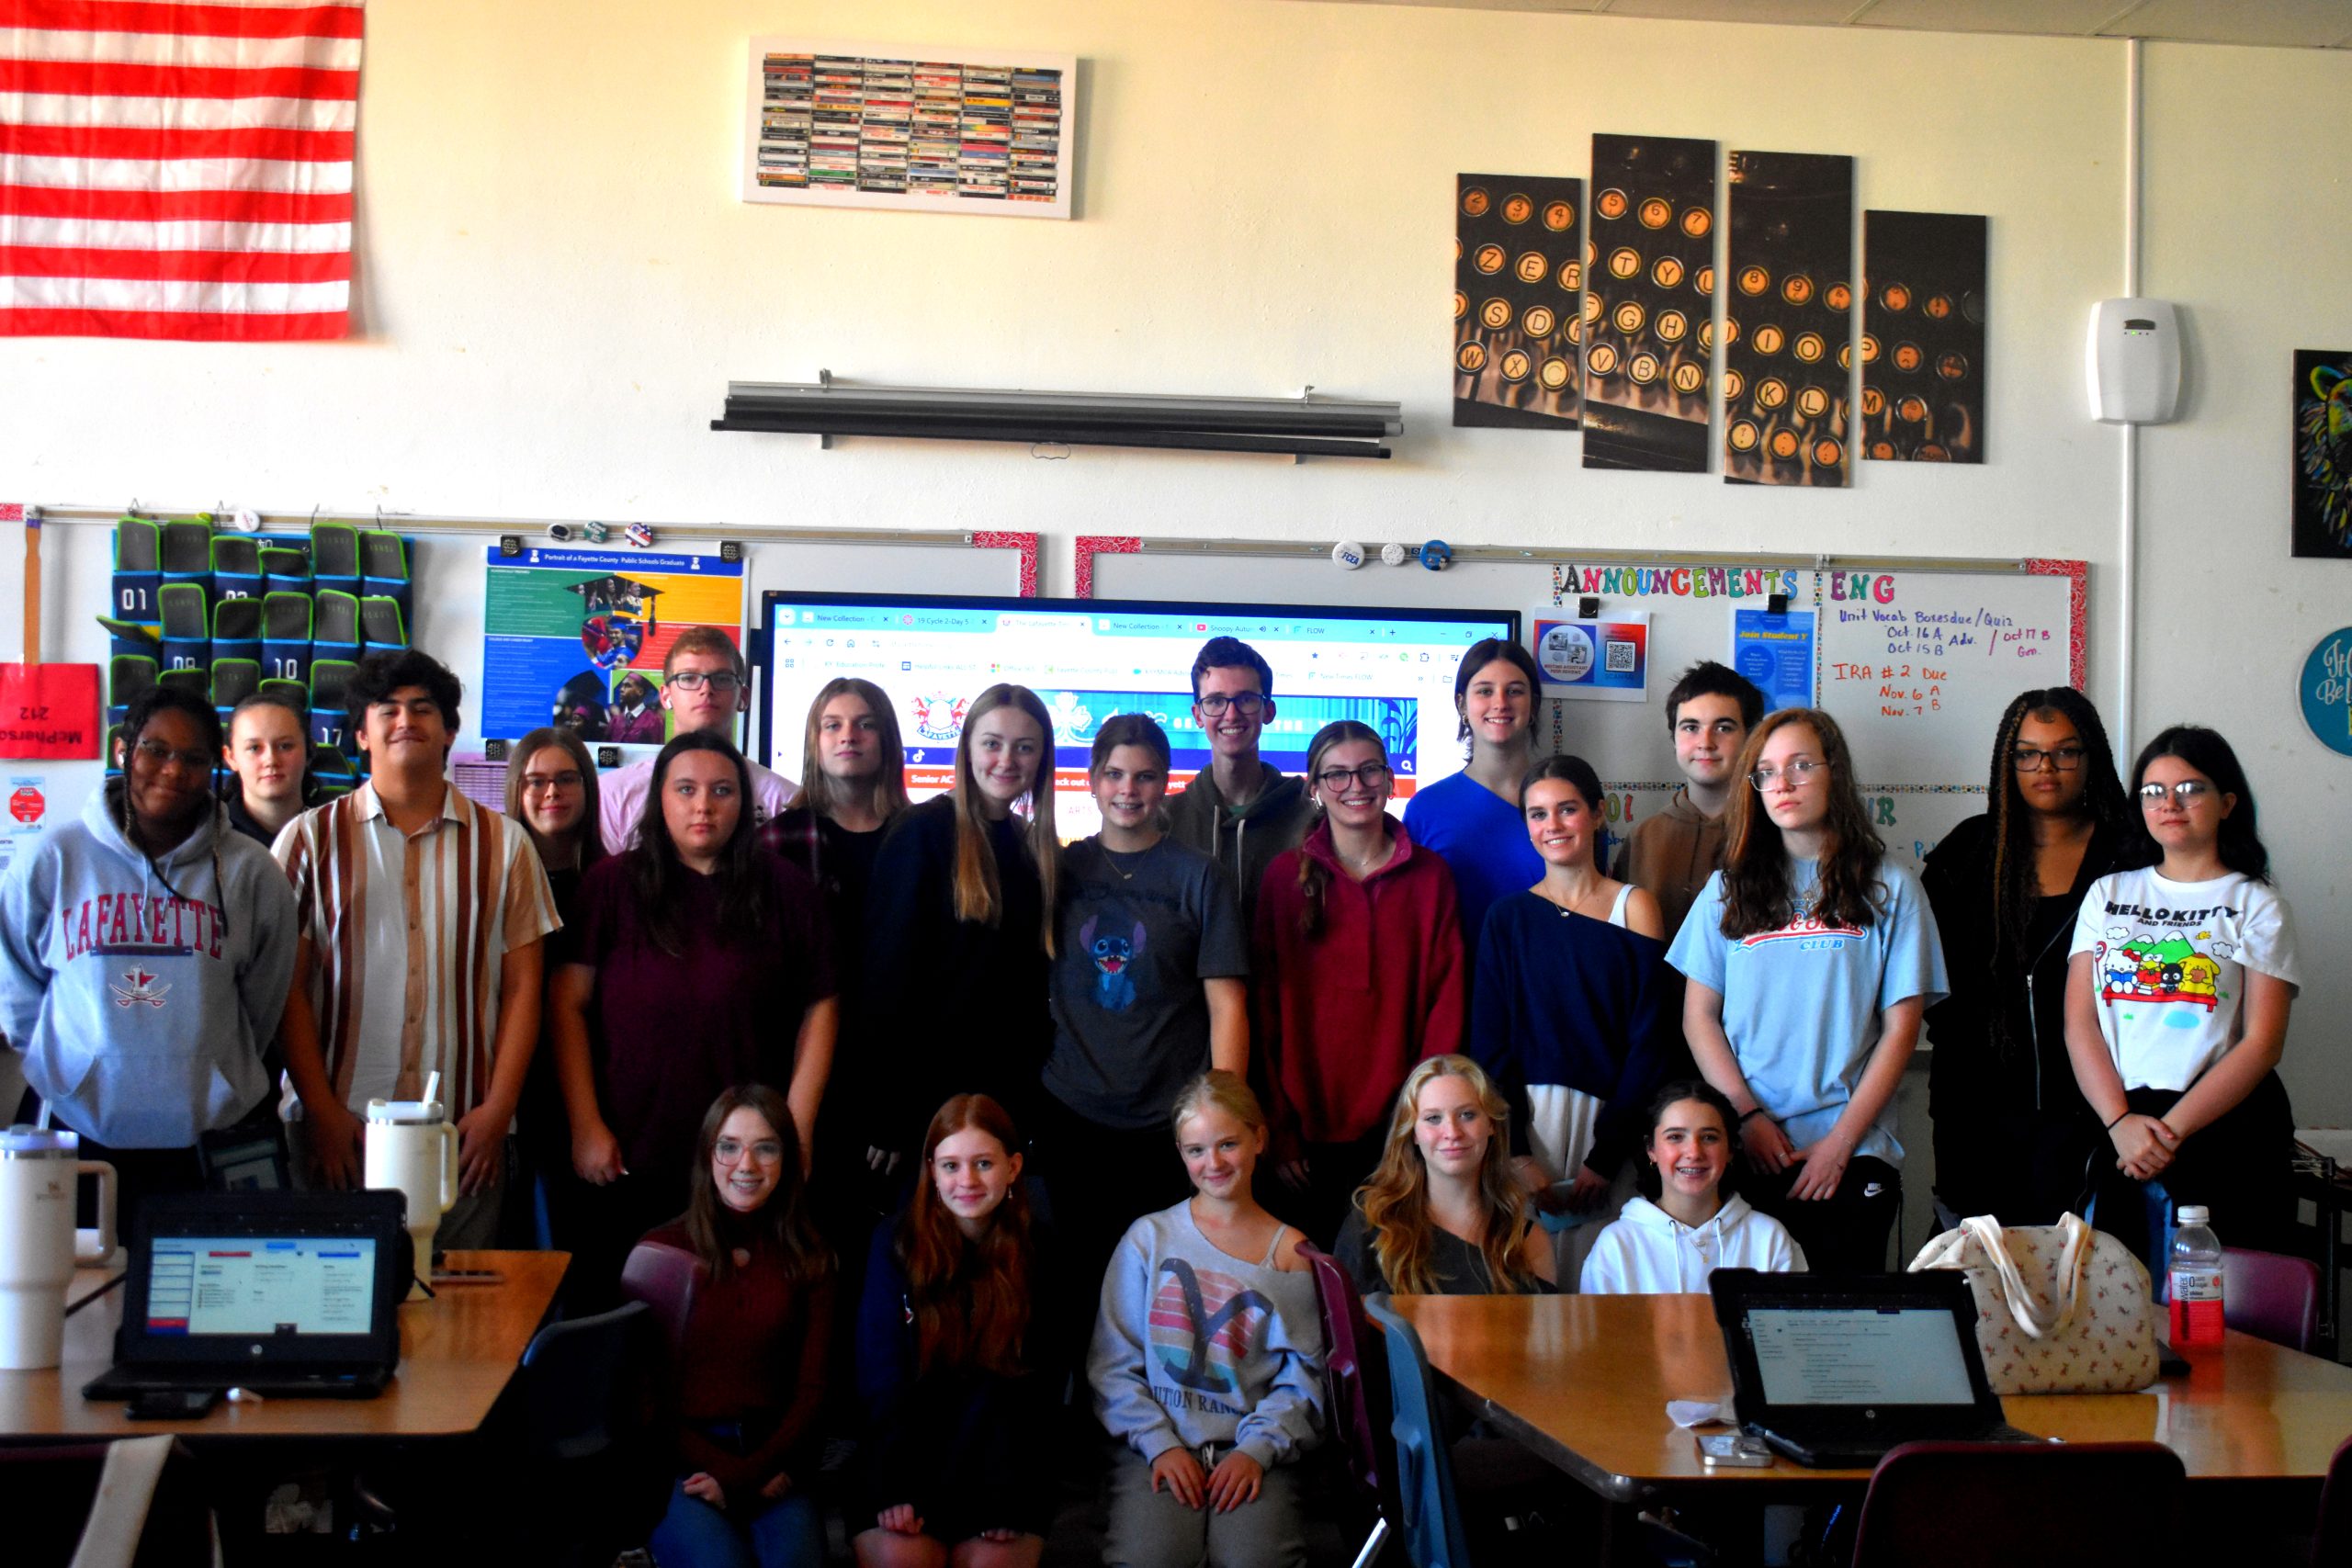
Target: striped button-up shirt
column 408, row 935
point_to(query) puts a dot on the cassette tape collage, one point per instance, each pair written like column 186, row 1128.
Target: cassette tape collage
column 911, row 127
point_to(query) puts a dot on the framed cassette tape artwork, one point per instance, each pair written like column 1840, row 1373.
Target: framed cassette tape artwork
column 1518, row 282
column 909, row 130
column 1649, row 303
column 1923, row 337
column 1787, row 319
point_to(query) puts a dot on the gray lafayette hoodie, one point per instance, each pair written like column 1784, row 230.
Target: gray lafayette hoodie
column 142, row 994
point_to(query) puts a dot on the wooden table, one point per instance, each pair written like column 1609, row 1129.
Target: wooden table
column 1583, row 1381
column 457, row 1352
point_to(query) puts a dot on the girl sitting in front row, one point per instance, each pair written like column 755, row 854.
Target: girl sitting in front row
column 1443, row 1215
column 1207, row 1359
column 1685, row 1226
column 946, row 1361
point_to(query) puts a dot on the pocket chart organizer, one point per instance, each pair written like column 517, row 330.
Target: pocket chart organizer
column 231, row 615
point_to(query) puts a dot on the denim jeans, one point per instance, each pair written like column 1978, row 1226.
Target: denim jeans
column 787, row 1533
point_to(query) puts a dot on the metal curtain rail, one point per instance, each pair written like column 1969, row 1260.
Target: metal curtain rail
column 531, row 527
column 1309, row 549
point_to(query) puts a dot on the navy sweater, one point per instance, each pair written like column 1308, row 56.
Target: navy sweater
column 1562, row 998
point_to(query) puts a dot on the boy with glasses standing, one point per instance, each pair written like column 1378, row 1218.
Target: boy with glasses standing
column 1242, row 811
column 705, row 684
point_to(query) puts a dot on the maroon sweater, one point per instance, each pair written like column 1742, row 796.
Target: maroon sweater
column 753, row 1352
column 1341, row 1017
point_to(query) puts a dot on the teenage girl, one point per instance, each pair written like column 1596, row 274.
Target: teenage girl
column 960, row 921
column 2176, row 1003
column 1148, row 992
column 1687, row 1222
column 1810, row 956
column 2013, row 1135
column 1207, row 1359
column 1471, row 820
column 701, row 961
column 749, row 1366
column 958, row 1410
column 269, row 758
column 1568, row 1013
column 1443, row 1215
column 1359, row 969
column 551, row 790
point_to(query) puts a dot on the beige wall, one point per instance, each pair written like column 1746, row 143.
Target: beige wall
column 557, row 281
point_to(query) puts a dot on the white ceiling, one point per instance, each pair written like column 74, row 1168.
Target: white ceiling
column 2290, row 24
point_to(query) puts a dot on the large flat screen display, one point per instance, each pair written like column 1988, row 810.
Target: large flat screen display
column 1092, row 658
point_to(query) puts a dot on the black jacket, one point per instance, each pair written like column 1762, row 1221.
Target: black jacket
column 1967, row 1070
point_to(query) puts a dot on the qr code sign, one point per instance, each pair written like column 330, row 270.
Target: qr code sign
column 1619, row 658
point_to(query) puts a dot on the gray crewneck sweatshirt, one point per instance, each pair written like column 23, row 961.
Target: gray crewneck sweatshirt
column 1195, row 1346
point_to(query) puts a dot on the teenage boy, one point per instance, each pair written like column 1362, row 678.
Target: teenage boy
column 1241, row 810
column 1709, row 713
column 705, row 684
column 423, row 917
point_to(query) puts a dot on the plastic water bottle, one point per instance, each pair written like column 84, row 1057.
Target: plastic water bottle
column 2195, row 1280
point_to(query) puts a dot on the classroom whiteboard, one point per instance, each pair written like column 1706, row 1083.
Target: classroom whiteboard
column 1964, row 637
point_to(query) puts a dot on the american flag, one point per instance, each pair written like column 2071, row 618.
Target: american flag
column 177, row 170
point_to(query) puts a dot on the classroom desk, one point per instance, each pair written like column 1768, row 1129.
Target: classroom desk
column 457, row 1351
column 1583, row 1382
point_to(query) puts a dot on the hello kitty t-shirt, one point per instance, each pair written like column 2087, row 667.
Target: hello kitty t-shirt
column 2168, row 967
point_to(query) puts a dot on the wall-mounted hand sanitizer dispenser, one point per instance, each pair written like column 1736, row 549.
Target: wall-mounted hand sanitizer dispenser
column 2134, row 361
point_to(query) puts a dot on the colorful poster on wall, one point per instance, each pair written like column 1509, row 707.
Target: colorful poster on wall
column 2325, row 691
column 1923, row 337
column 911, row 129
column 1776, row 652
column 2323, row 509
column 1648, row 303
column 31, row 800
column 49, row 710
column 1787, row 319
column 1517, row 274
column 1605, row 658
column 576, row 638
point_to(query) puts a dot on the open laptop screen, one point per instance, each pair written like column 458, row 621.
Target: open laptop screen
column 261, row 1285
column 1854, row 1355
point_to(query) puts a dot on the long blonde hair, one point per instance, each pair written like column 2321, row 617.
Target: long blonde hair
column 824, row 794
column 1396, row 1202
column 979, row 896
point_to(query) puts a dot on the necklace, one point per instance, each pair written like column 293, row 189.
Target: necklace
column 1370, row 864
column 1110, row 858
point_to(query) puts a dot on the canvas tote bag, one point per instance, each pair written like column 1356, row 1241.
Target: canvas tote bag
column 2060, row 1309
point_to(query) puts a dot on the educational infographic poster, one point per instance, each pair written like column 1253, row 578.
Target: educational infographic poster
column 1517, row 274
column 1776, row 652
column 576, row 638
column 1605, row 658
column 1787, row 319
column 2323, row 508
column 910, row 130
column 1923, row 337
column 1648, row 303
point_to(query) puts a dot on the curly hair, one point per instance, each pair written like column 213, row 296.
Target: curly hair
column 1756, row 892
column 1396, row 1202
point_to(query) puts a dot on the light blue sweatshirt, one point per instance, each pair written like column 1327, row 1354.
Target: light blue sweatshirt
column 142, row 1008
column 1193, row 1347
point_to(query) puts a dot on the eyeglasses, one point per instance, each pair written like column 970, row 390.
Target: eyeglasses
column 718, row 681
column 2027, row 760
column 1371, row 775
column 1248, row 704
column 1798, row 773
column 2186, row 793
column 536, row 783
column 731, row 1151
column 160, row 756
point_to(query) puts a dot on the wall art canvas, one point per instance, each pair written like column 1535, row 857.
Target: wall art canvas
column 1787, row 319
column 1923, row 337
column 1518, row 282
column 2323, row 509
column 1649, row 303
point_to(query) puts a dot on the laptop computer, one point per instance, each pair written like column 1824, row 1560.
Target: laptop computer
column 278, row 1293
column 1834, row 1370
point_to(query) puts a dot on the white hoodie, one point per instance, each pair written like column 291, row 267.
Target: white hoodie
column 1647, row 1251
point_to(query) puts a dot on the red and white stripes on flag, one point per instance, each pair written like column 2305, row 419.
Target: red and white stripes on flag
column 177, row 170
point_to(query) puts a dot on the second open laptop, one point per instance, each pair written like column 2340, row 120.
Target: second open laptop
column 1834, row 1370
column 279, row 1292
